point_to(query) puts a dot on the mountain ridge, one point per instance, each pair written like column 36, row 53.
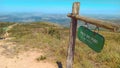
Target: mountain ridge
column 61, row 19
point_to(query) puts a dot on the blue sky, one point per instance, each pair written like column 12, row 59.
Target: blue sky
column 60, row 6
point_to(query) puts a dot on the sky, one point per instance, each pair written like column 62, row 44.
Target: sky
column 60, row 6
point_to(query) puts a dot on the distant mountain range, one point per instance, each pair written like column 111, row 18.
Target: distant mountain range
column 61, row 19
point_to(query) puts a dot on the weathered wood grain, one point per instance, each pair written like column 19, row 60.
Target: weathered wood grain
column 99, row 23
column 73, row 26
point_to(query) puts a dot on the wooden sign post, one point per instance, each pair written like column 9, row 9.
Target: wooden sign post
column 73, row 26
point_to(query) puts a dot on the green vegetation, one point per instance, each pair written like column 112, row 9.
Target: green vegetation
column 53, row 41
column 2, row 26
column 41, row 58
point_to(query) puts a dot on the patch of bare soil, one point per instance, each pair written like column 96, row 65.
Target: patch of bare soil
column 25, row 60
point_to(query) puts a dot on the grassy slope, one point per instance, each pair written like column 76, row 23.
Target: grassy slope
column 53, row 40
column 2, row 26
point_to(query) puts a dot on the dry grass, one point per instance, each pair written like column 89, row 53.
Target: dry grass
column 53, row 40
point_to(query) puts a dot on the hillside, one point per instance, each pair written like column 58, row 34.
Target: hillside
column 52, row 41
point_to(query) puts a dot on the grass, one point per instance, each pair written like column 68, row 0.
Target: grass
column 53, row 41
column 2, row 26
column 41, row 58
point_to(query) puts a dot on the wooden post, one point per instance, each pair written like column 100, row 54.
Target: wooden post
column 73, row 26
column 100, row 23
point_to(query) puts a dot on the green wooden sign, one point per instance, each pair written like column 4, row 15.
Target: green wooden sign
column 92, row 39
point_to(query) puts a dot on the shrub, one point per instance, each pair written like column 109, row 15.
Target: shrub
column 41, row 58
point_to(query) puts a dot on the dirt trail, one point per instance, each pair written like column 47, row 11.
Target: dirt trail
column 23, row 60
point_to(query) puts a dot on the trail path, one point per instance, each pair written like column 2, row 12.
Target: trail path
column 23, row 60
